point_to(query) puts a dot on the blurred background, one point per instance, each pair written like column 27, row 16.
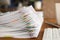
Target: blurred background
column 14, row 4
column 48, row 6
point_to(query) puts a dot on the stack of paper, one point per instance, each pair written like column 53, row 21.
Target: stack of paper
column 23, row 23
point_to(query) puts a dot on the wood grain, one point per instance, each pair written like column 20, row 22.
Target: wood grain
column 49, row 8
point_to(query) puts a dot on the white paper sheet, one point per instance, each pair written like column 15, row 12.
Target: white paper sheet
column 57, row 5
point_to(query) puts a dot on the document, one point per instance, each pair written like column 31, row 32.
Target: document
column 23, row 23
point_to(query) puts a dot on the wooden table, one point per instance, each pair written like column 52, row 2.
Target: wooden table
column 7, row 9
column 40, row 34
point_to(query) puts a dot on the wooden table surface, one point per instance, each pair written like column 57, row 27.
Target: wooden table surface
column 40, row 34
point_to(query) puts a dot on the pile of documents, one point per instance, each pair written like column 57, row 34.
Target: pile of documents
column 23, row 23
